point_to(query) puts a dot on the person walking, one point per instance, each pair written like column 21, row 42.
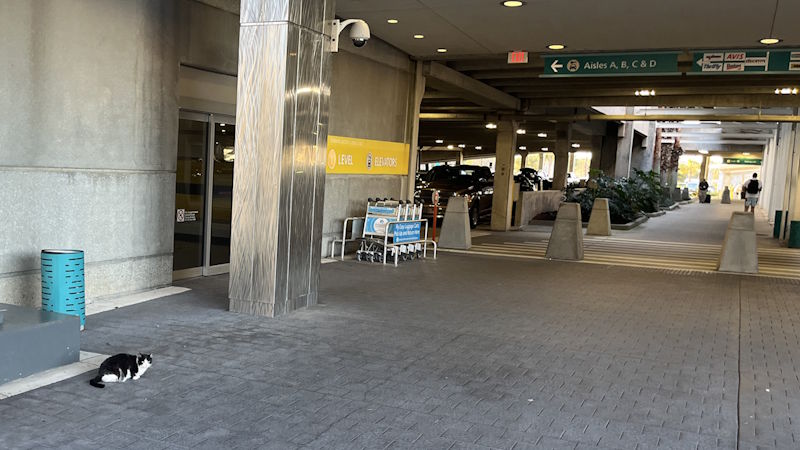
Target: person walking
column 703, row 190
column 752, row 189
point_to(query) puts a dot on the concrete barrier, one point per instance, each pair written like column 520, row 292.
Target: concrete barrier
column 739, row 250
column 685, row 194
column 566, row 240
column 726, row 196
column 532, row 203
column 600, row 220
column 455, row 232
column 676, row 195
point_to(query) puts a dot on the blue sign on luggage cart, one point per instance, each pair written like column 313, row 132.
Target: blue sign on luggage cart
column 407, row 232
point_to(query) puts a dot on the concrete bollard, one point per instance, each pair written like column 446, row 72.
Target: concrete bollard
column 600, row 220
column 726, row 196
column 739, row 250
column 676, row 195
column 566, row 240
column 455, row 232
column 685, row 194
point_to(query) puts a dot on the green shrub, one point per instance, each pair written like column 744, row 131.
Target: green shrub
column 627, row 198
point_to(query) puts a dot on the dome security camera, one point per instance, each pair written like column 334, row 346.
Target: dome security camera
column 359, row 32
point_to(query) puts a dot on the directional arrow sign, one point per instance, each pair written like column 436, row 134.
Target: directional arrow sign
column 611, row 64
column 738, row 62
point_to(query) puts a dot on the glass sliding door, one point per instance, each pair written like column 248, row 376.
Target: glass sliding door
column 190, row 187
column 203, row 194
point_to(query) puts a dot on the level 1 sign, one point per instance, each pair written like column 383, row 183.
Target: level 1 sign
column 363, row 156
column 607, row 64
column 721, row 62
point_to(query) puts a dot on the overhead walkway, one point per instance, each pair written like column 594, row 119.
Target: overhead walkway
column 685, row 239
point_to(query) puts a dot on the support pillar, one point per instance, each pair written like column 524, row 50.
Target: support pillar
column 503, row 196
column 649, row 149
column 597, row 149
column 563, row 137
column 460, row 159
column 281, row 140
column 622, row 166
column 524, row 156
column 417, row 93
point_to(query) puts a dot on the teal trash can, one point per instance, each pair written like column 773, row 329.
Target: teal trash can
column 63, row 286
column 794, row 234
column 776, row 230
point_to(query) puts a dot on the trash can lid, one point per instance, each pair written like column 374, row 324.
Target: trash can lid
column 61, row 252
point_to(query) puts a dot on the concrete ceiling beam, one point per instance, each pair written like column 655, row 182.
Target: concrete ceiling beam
column 445, row 79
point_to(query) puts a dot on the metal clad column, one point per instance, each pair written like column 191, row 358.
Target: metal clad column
column 503, row 196
column 281, row 135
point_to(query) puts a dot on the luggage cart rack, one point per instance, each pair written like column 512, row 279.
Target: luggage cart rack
column 394, row 230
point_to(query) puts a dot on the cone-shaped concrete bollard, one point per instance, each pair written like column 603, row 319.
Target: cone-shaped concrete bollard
column 600, row 220
column 726, row 196
column 566, row 240
column 685, row 194
column 676, row 195
column 455, row 231
column 740, row 250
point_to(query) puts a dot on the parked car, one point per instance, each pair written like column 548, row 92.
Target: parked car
column 443, row 182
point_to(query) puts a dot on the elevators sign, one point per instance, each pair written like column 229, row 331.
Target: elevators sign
column 366, row 157
column 733, row 62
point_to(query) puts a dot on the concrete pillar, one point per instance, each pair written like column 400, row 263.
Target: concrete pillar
column 646, row 164
column 608, row 154
column 600, row 220
column 281, row 137
column 502, row 199
column 622, row 166
column 563, row 141
column 455, row 231
column 524, row 156
column 415, row 102
column 597, row 148
column 566, row 239
column 704, row 168
column 739, row 250
column 460, row 158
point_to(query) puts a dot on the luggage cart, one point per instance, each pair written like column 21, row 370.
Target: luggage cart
column 394, row 229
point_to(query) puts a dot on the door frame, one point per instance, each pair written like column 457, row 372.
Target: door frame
column 206, row 269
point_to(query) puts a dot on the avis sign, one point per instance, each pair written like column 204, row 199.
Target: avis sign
column 722, row 62
column 608, row 64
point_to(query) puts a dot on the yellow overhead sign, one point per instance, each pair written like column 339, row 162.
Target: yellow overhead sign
column 363, row 156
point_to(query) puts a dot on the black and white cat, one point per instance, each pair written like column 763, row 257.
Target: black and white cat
column 120, row 368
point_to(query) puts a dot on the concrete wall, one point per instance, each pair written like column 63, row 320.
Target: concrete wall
column 370, row 94
column 87, row 148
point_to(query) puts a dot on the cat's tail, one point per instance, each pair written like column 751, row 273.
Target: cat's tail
column 97, row 382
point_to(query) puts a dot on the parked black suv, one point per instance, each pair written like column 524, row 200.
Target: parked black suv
column 476, row 182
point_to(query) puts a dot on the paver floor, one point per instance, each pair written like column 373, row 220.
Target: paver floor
column 461, row 352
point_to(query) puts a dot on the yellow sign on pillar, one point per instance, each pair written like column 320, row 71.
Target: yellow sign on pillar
column 366, row 157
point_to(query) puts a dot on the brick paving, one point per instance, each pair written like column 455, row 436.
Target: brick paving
column 462, row 352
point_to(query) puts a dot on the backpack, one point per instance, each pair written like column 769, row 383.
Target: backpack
column 753, row 187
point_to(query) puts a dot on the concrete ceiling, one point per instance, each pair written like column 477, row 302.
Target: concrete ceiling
column 484, row 27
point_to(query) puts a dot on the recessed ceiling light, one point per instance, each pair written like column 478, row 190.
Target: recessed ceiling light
column 521, row 131
column 576, row 145
column 440, row 141
column 513, row 3
column 478, row 147
column 770, row 41
column 522, row 147
column 450, row 147
column 746, row 153
column 544, row 149
column 419, row 36
column 645, row 93
column 703, row 152
column 491, row 125
column 392, row 21
column 542, row 135
column 556, row 46
column 462, row 146
column 441, row 50
column 222, row 124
